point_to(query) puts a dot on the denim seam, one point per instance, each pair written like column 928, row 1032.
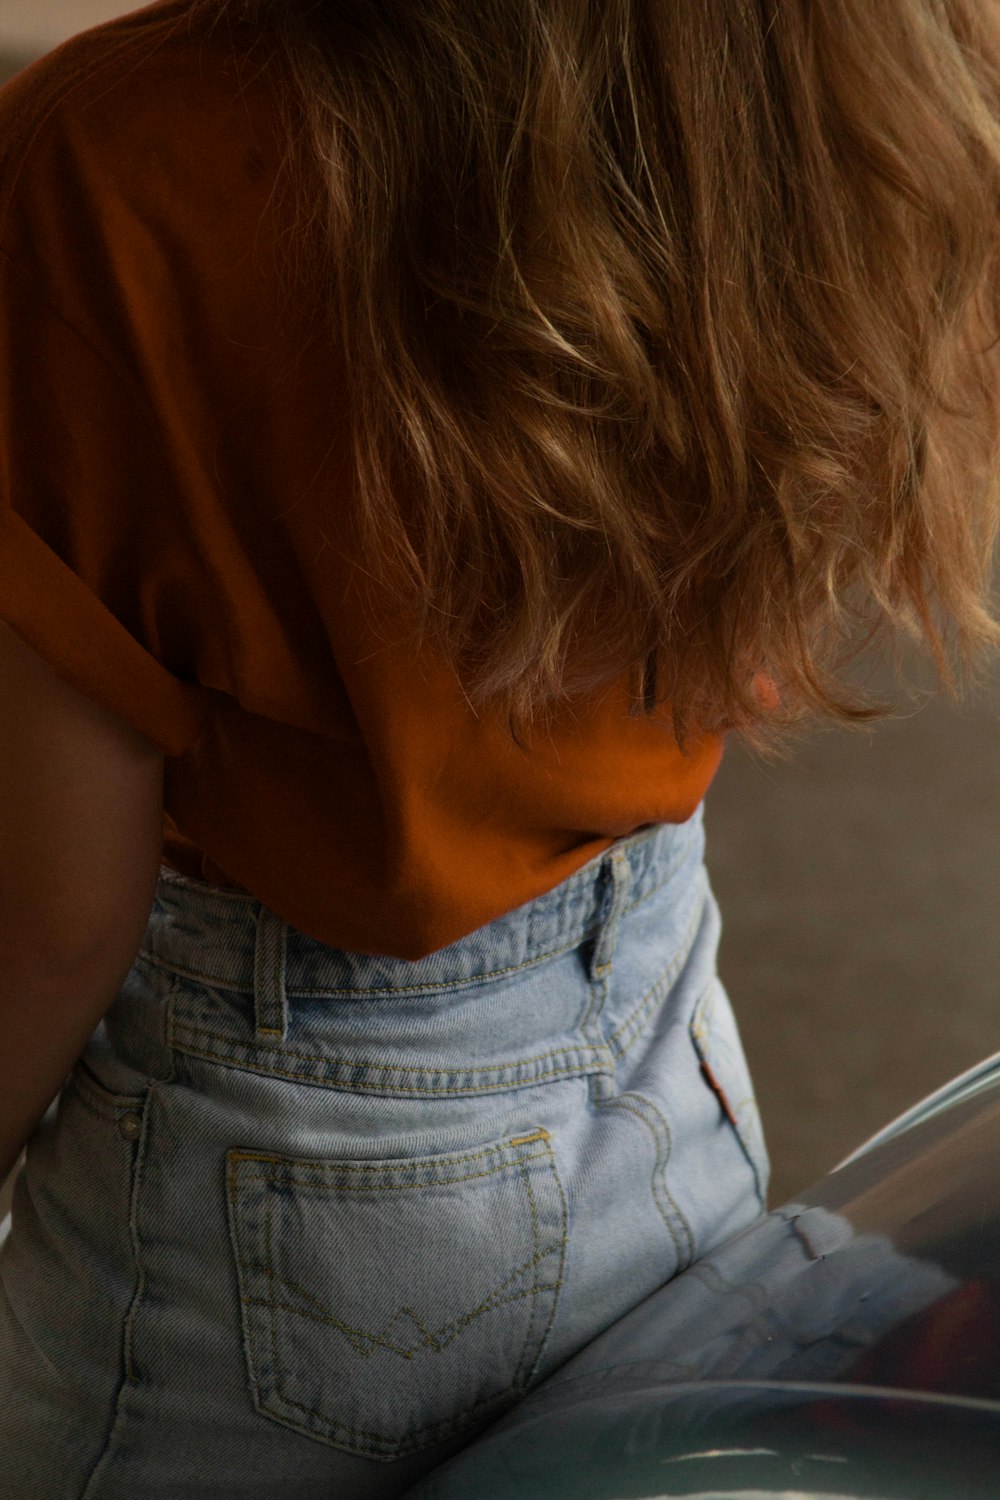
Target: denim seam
column 169, row 1013
column 405, row 1164
column 105, row 1106
column 106, row 1115
column 522, row 1378
column 438, row 987
column 386, row 1187
column 596, row 1064
column 421, row 1437
column 636, row 1104
column 743, row 1128
column 346, row 1062
column 630, row 1102
column 368, row 992
column 385, row 1447
column 638, row 1017
column 130, row 1377
column 142, row 1145
column 271, row 1288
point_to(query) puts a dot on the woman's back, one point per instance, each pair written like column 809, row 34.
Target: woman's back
column 433, row 427
column 186, row 411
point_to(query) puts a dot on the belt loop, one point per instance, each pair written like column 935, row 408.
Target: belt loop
column 602, row 955
column 270, row 999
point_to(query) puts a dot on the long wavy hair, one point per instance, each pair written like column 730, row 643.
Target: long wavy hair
column 670, row 331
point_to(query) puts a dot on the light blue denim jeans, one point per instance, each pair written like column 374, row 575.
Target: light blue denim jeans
column 303, row 1222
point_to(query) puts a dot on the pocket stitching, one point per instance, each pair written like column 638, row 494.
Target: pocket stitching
column 456, row 1419
column 388, row 1447
column 95, row 1096
column 637, row 1105
column 584, row 1060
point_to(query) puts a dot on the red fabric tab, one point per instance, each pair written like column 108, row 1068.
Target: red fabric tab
column 719, row 1093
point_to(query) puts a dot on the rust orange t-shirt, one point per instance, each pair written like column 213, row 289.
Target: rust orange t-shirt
column 169, row 418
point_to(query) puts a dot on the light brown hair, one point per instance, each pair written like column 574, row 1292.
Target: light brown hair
column 670, row 329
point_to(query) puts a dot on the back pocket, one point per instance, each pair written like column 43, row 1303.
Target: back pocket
column 388, row 1304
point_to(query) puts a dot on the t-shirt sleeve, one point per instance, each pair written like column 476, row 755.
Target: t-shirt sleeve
column 85, row 544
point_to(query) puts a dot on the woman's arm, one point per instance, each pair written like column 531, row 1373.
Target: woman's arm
column 45, row 1023
column 81, row 809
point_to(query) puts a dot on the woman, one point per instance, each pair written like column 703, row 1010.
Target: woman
column 429, row 429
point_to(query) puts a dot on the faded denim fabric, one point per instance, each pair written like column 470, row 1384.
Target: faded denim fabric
column 303, row 1222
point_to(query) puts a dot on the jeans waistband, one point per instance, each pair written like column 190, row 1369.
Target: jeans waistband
column 252, row 990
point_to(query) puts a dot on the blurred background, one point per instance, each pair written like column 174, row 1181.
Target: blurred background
column 858, row 882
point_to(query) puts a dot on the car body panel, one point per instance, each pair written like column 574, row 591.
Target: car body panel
column 846, row 1344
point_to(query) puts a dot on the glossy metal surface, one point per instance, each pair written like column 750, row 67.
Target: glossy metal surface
column 845, row 1345
column 982, row 1075
column 638, row 1437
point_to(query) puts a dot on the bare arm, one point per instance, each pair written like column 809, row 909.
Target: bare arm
column 81, row 805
